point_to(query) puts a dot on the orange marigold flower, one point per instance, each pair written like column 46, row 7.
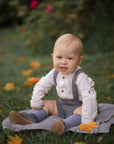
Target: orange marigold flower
column 27, row 72
column 21, row 59
column 109, row 98
column 9, row 86
column 0, row 110
column 24, row 30
column 30, row 95
column 110, row 77
column 88, row 127
column 34, row 64
column 1, row 87
column 14, row 140
column 33, row 79
column 28, row 83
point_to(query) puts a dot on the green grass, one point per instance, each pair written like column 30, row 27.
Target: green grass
column 12, row 47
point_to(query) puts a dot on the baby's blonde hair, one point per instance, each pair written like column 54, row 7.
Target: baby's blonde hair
column 70, row 40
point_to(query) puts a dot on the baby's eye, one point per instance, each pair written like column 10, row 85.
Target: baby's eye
column 70, row 58
column 59, row 57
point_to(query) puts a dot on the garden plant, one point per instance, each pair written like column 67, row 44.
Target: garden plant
column 26, row 43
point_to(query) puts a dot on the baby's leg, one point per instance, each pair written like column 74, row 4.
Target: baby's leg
column 78, row 111
column 22, row 118
column 34, row 116
column 73, row 120
column 50, row 107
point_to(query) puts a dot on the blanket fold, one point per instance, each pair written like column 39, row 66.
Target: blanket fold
column 104, row 120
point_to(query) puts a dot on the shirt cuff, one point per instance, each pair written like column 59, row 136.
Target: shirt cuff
column 86, row 121
column 36, row 104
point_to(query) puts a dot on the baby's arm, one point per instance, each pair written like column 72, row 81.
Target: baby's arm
column 40, row 89
column 88, row 97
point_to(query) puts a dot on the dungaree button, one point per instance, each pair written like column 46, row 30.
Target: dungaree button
column 63, row 77
column 62, row 90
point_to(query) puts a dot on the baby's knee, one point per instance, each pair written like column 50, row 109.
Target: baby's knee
column 78, row 110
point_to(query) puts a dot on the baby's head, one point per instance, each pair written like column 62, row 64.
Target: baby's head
column 67, row 53
column 69, row 41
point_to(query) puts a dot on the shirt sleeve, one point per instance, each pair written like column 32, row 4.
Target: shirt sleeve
column 87, row 94
column 41, row 88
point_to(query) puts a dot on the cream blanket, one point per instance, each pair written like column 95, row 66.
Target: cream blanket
column 104, row 120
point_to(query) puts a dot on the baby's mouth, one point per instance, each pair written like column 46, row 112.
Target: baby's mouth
column 63, row 68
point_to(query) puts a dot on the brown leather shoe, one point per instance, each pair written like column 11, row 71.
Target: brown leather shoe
column 58, row 127
column 21, row 118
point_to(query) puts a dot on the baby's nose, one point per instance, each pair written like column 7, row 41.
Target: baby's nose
column 64, row 61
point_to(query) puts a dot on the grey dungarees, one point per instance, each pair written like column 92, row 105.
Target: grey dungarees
column 67, row 106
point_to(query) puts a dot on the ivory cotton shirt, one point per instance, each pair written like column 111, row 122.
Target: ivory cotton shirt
column 86, row 92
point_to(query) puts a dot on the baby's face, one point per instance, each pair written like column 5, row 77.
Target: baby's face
column 66, row 59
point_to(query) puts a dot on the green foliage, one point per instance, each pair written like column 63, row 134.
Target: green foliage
column 12, row 11
column 91, row 21
column 45, row 25
column 97, row 25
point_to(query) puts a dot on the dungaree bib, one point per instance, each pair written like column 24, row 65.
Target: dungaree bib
column 67, row 106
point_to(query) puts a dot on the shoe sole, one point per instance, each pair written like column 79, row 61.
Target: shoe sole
column 15, row 118
column 58, row 127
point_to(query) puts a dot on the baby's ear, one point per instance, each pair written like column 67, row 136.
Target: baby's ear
column 80, row 59
column 52, row 55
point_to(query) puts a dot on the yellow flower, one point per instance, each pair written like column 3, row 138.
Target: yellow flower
column 34, row 64
column 14, row 37
column 81, row 35
column 27, row 72
column 11, row 56
column 88, row 127
column 1, row 58
column 74, row 16
column 9, row 86
column 14, row 140
column 0, row 110
column 27, row 42
column 79, row 143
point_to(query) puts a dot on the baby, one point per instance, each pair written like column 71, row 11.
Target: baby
column 77, row 98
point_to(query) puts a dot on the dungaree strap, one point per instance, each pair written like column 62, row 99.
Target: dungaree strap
column 55, row 76
column 74, row 86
